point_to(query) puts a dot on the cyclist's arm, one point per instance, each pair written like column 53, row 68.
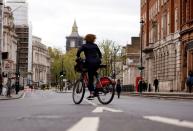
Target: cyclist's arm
column 99, row 53
column 79, row 51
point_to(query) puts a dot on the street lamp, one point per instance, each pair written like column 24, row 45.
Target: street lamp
column 141, row 68
column 17, row 70
column 141, row 48
column 62, row 74
column 114, row 74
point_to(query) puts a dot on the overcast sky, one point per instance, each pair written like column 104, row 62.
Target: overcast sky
column 115, row 20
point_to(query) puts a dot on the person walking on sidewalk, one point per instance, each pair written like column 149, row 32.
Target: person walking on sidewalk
column 144, row 85
column 8, row 87
column 140, row 86
column 156, row 84
column 118, row 88
column 189, row 81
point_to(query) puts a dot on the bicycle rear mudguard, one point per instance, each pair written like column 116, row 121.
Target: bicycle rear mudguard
column 105, row 81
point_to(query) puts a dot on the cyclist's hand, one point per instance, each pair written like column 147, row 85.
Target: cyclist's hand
column 78, row 59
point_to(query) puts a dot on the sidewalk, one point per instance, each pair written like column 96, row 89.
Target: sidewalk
column 13, row 96
column 67, row 91
column 166, row 95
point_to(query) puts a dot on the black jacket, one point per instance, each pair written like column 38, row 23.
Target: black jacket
column 156, row 82
column 91, row 52
column 118, row 87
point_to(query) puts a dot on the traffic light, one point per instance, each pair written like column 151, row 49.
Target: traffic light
column 141, row 67
column 17, row 75
column 62, row 73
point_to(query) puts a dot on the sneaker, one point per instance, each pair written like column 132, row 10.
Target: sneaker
column 90, row 97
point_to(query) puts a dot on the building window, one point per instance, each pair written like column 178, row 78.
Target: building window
column 176, row 20
column 168, row 23
column 164, row 26
column 191, row 8
column 167, row 67
column 155, row 30
column 144, row 39
column 184, row 11
column 187, row 11
column 158, row 31
column 175, row 64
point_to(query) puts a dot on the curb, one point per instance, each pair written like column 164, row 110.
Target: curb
column 161, row 95
column 63, row 92
column 69, row 91
column 13, row 98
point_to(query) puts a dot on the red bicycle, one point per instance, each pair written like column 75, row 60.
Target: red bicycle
column 104, row 86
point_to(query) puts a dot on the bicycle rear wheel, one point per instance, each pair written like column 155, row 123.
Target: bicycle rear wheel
column 78, row 92
column 106, row 95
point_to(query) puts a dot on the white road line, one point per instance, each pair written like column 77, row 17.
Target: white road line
column 90, row 102
column 101, row 109
column 86, row 124
column 176, row 122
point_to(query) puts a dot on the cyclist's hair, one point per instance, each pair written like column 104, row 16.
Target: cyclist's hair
column 90, row 38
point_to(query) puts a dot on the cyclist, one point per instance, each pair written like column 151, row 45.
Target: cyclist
column 93, row 60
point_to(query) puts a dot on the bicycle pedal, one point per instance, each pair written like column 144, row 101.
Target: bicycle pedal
column 90, row 98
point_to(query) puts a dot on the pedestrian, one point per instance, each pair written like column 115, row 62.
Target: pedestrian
column 144, row 85
column 17, row 86
column 8, row 87
column 13, row 87
column 149, row 88
column 118, row 88
column 140, row 86
column 156, row 84
column 189, row 81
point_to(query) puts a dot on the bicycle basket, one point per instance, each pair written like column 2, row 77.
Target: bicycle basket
column 80, row 65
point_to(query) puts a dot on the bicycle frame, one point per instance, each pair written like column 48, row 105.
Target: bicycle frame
column 84, row 78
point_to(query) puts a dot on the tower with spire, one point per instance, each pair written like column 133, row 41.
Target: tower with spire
column 74, row 40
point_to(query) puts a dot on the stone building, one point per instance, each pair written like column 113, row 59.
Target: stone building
column 161, row 43
column 186, row 38
column 74, row 40
column 23, row 31
column 9, row 46
column 1, row 33
column 131, row 55
column 41, row 62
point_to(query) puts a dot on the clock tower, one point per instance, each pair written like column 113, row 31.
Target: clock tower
column 74, row 40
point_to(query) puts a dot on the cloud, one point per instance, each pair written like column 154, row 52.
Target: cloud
column 116, row 20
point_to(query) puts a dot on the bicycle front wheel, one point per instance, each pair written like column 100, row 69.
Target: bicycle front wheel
column 106, row 95
column 78, row 92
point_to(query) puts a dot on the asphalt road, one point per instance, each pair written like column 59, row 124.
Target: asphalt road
column 51, row 111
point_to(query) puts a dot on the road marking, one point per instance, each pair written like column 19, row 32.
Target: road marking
column 86, row 124
column 176, row 122
column 90, row 102
column 101, row 109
